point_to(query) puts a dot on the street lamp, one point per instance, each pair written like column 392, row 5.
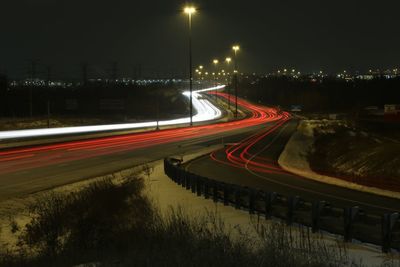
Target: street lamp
column 215, row 62
column 228, row 62
column 236, row 48
column 201, row 67
column 190, row 10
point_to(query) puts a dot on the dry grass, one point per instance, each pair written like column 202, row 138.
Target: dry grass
column 116, row 225
column 357, row 156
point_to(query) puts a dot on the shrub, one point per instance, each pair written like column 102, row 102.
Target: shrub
column 115, row 225
column 91, row 220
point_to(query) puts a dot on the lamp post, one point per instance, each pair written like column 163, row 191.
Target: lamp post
column 190, row 10
column 228, row 62
column 215, row 62
column 201, row 72
column 236, row 48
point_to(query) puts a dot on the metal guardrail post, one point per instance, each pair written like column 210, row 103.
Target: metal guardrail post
column 172, row 171
column 175, row 175
column 206, row 188
column 187, row 180
column 350, row 215
column 238, row 194
column 388, row 222
column 215, row 191
column 293, row 202
column 226, row 194
column 199, row 182
column 166, row 166
column 178, row 179
column 183, row 178
column 252, row 201
column 193, row 182
column 269, row 201
column 317, row 207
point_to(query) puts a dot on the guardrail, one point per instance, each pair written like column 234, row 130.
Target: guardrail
column 350, row 222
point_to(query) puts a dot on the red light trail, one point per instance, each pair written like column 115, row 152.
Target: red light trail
column 32, row 157
column 239, row 155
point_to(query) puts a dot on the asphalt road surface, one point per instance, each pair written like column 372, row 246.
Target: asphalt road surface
column 51, row 169
column 31, row 169
column 254, row 164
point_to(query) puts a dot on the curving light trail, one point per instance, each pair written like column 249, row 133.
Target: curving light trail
column 32, row 157
column 239, row 155
column 206, row 111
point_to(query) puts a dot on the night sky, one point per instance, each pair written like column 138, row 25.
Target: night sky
column 308, row 35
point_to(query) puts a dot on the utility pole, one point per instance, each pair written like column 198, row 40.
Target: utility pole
column 48, row 94
column 158, row 111
column 33, row 65
column 84, row 67
column 114, row 72
column 48, row 77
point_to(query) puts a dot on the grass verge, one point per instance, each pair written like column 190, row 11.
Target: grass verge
column 115, row 224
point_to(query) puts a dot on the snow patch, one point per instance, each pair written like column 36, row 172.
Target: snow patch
column 294, row 159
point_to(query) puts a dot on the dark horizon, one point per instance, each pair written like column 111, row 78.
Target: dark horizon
column 308, row 36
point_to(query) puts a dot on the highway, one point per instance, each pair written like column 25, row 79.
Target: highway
column 252, row 162
column 32, row 169
column 257, row 142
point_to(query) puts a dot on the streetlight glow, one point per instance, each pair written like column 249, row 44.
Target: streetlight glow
column 236, row 48
column 228, row 60
column 189, row 10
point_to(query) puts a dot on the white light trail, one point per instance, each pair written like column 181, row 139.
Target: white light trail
column 206, row 111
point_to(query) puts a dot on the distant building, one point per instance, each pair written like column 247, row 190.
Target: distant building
column 392, row 112
column 392, row 109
